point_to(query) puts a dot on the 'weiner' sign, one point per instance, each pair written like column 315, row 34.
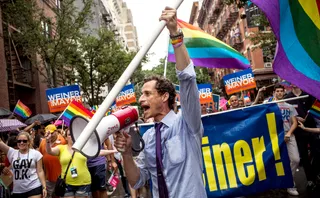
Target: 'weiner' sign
column 59, row 98
column 239, row 81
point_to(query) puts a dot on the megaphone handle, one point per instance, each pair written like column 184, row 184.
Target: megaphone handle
column 120, row 133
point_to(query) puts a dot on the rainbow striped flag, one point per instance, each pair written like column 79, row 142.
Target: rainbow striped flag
column 208, row 51
column 315, row 109
column 296, row 24
column 22, row 110
column 75, row 108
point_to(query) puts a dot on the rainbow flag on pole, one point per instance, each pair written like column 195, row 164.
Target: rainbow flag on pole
column 208, row 51
column 22, row 110
column 315, row 109
column 296, row 24
column 73, row 109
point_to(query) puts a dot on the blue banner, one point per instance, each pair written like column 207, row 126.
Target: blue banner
column 244, row 151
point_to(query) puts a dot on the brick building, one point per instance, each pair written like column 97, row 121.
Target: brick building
column 233, row 26
column 18, row 79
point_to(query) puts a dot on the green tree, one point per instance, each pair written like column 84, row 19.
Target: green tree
column 103, row 62
column 202, row 73
column 49, row 43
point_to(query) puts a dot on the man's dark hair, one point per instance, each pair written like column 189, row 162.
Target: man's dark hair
column 278, row 86
column 162, row 86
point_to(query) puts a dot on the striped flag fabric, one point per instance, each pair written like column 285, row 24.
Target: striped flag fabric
column 73, row 109
column 315, row 109
column 208, row 51
column 296, row 25
column 22, row 110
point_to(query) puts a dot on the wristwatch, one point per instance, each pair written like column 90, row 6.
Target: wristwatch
column 179, row 34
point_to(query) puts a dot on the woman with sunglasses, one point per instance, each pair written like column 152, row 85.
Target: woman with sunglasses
column 28, row 175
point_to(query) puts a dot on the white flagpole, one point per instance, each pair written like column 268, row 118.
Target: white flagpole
column 93, row 123
column 61, row 114
column 165, row 67
column 166, row 61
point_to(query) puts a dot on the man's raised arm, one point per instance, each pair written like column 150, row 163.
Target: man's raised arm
column 189, row 94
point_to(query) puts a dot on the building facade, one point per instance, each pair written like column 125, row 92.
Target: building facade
column 19, row 80
column 233, row 26
column 122, row 16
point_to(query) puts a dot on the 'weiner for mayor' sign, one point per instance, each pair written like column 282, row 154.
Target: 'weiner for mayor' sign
column 126, row 96
column 239, row 81
column 59, row 98
column 205, row 93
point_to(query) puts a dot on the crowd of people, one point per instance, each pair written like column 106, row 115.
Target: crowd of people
column 41, row 153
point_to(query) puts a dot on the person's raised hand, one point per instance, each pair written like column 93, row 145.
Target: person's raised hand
column 170, row 16
column 262, row 89
column 37, row 123
column 123, row 143
column 48, row 136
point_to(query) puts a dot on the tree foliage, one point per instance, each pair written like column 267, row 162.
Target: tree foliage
column 201, row 72
column 102, row 62
column 49, row 42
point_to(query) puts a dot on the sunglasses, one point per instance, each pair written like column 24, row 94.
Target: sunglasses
column 20, row 141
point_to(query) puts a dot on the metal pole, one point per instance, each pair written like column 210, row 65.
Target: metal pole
column 92, row 125
column 277, row 101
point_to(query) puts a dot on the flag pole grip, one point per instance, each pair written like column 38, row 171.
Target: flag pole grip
column 92, row 125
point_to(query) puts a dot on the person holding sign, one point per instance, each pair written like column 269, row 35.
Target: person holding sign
column 176, row 169
column 28, row 175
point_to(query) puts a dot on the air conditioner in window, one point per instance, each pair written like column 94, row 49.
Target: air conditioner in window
column 267, row 65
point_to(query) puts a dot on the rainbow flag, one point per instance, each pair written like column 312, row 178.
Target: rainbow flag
column 315, row 109
column 22, row 110
column 296, row 24
column 208, row 51
column 75, row 108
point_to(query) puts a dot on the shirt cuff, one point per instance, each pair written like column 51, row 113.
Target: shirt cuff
column 140, row 182
column 187, row 73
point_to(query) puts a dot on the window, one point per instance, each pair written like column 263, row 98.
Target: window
column 46, row 27
column 58, row 4
column 249, row 54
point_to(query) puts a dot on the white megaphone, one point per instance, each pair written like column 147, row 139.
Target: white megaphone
column 110, row 124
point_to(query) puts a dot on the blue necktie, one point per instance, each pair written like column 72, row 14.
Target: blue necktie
column 162, row 187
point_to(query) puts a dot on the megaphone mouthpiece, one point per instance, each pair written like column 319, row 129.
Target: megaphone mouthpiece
column 110, row 124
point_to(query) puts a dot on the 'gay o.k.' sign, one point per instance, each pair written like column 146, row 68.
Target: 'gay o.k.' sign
column 239, row 81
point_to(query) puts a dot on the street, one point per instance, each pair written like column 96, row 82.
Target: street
column 277, row 193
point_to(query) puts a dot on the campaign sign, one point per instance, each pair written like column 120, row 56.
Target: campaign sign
column 239, row 81
column 177, row 88
column 59, row 98
column 126, row 96
column 240, row 160
column 216, row 101
column 205, row 93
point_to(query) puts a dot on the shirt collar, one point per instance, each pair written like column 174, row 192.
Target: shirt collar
column 169, row 119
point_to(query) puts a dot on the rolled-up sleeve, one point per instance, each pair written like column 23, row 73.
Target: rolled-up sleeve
column 141, row 164
column 189, row 100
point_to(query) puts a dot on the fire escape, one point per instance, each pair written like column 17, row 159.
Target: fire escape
column 19, row 70
column 217, row 8
column 227, row 21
